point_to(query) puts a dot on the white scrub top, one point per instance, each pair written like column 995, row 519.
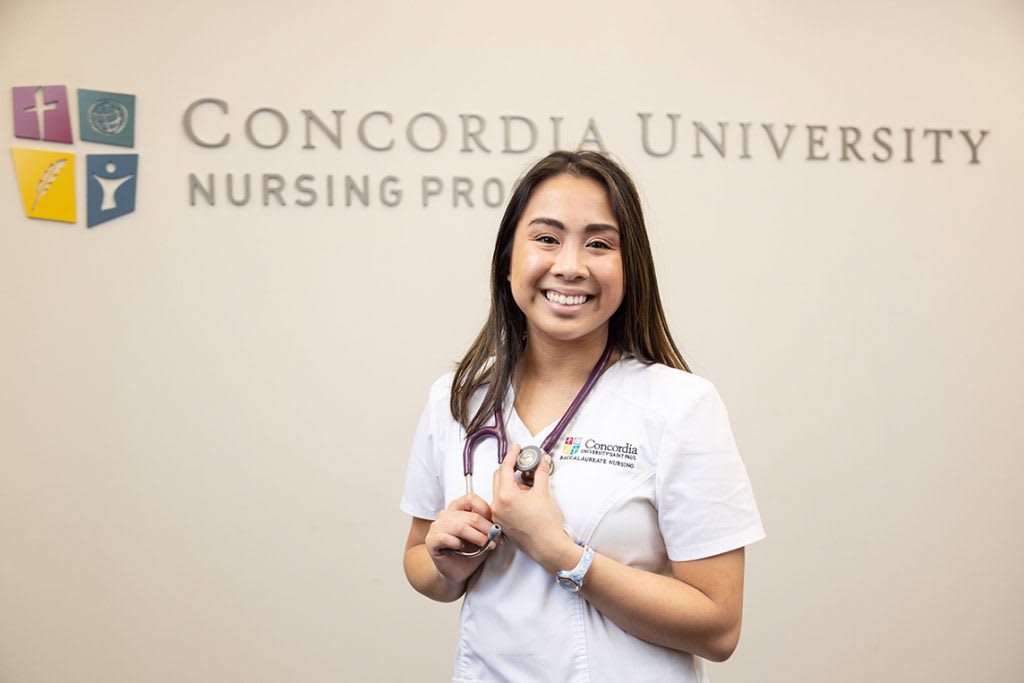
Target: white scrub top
column 647, row 472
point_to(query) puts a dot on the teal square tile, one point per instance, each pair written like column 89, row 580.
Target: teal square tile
column 106, row 117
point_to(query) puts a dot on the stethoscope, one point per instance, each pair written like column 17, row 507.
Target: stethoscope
column 530, row 457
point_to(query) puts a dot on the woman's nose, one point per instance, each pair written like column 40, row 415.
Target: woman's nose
column 569, row 264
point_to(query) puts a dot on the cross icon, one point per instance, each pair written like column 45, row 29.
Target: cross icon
column 39, row 109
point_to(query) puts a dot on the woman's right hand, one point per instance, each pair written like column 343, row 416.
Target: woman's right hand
column 463, row 525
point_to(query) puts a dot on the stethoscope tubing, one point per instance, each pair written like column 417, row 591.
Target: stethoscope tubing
column 492, row 535
column 497, row 432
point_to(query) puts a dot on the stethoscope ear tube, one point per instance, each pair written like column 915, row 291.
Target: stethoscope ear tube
column 492, row 536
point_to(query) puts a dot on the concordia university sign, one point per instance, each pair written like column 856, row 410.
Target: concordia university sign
column 46, row 177
column 210, row 123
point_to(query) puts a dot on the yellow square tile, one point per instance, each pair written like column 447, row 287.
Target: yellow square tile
column 47, row 183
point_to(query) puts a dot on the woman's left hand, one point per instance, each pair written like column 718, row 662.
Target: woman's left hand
column 529, row 515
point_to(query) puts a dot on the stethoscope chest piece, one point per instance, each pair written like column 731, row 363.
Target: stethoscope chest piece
column 530, row 458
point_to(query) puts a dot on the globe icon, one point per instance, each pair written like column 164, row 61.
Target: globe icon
column 108, row 117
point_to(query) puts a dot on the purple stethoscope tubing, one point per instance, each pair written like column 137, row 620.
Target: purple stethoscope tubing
column 497, row 432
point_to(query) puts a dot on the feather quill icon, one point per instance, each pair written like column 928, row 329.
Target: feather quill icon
column 51, row 173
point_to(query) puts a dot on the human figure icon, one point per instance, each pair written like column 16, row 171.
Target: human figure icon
column 109, row 186
column 112, row 183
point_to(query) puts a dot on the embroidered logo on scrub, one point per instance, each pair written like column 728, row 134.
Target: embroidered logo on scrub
column 593, row 451
column 46, row 177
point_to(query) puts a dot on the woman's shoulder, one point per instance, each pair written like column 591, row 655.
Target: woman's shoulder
column 666, row 390
column 663, row 378
column 441, row 388
column 689, row 404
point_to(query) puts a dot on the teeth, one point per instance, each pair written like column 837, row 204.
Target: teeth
column 566, row 300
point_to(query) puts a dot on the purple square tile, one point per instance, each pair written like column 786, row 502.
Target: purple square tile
column 41, row 113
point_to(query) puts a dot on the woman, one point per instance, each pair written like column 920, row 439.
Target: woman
column 624, row 560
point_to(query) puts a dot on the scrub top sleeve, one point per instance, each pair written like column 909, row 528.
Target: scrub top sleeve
column 423, row 495
column 705, row 502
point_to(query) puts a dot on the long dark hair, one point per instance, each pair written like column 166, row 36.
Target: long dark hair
column 638, row 327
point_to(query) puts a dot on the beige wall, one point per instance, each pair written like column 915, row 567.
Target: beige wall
column 205, row 411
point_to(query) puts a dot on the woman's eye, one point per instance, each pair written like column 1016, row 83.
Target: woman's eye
column 598, row 244
column 547, row 239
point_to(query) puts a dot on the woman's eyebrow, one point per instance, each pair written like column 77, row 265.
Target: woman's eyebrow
column 593, row 227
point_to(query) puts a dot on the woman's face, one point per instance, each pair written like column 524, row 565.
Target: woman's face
column 566, row 271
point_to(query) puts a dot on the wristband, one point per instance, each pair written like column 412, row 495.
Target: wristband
column 572, row 579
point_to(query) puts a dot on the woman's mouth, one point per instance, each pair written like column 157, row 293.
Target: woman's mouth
column 565, row 300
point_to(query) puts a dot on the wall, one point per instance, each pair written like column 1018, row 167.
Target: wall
column 205, row 410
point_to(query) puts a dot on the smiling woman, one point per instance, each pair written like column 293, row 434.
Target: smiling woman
column 628, row 564
column 566, row 271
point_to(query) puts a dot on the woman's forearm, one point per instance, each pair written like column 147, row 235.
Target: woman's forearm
column 424, row 577
column 666, row 610
column 662, row 609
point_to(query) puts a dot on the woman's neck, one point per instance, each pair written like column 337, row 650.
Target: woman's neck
column 559, row 363
column 550, row 375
